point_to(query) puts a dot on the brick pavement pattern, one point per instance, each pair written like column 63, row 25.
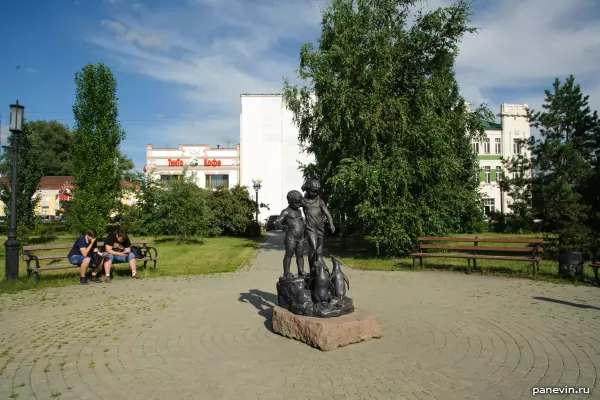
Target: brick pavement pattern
column 447, row 336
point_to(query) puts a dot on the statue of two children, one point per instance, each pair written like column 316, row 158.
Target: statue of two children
column 313, row 229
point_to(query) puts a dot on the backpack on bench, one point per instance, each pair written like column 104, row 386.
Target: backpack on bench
column 137, row 252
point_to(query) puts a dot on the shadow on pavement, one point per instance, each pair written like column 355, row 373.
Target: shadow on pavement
column 566, row 303
column 263, row 302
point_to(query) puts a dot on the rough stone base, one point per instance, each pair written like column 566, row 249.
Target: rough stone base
column 327, row 333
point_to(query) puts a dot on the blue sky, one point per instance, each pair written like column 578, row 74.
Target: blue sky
column 182, row 64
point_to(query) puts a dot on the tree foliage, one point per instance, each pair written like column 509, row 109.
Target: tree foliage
column 232, row 211
column 177, row 207
column 381, row 111
column 52, row 147
column 29, row 174
column 96, row 139
column 561, row 173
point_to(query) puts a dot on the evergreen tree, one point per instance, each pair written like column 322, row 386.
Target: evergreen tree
column 382, row 113
column 560, row 173
column 97, row 137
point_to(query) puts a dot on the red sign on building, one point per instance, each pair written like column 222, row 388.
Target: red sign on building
column 212, row 163
column 65, row 192
column 176, row 163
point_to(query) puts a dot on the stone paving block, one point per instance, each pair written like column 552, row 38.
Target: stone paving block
column 448, row 336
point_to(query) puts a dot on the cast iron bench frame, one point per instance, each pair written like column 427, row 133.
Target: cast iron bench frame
column 534, row 249
column 595, row 265
column 149, row 253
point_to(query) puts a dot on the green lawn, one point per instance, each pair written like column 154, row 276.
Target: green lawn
column 360, row 254
column 212, row 255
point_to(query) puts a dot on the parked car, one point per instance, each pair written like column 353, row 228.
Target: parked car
column 271, row 225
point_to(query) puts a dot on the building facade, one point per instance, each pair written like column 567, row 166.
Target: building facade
column 212, row 167
column 502, row 141
column 54, row 190
column 269, row 150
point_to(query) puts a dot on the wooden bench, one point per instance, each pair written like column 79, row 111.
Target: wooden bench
column 595, row 265
column 33, row 260
column 471, row 252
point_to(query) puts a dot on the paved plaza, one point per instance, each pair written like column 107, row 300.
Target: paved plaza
column 447, row 336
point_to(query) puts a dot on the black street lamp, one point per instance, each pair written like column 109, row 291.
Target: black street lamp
column 12, row 244
column 257, row 185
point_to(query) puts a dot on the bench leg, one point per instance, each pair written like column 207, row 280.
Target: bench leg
column 474, row 264
column 596, row 276
column 533, row 269
column 421, row 262
column 154, row 261
column 37, row 276
column 469, row 265
column 413, row 262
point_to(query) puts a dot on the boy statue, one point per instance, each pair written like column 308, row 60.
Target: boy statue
column 314, row 209
column 293, row 223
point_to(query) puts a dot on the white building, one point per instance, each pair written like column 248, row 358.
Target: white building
column 270, row 150
column 213, row 167
column 501, row 142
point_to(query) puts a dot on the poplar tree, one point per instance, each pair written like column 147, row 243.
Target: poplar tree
column 97, row 138
column 381, row 111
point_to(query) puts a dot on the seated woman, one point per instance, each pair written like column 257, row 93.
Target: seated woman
column 81, row 254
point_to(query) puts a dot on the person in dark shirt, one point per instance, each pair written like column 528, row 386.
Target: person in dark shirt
column 81, row 254
column 118, row 249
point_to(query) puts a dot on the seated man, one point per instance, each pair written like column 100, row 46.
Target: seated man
column 81, row 254
column 118, row 249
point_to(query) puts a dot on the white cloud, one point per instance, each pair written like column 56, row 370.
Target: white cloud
column 214, row 50
column 138, row 36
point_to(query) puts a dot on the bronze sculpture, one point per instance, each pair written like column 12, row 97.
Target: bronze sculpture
column 292, row 222
column 321, row 293
column 315, row 209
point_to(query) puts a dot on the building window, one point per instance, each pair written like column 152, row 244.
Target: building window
column 166, row 178
column 476, row 146
column 518, row 173
column 215, row 181
column 486, row 146
column 517, row 146
column 498, row 174
column 498, row 146
column 46, row 210
column 488, row 175
column 488, row 206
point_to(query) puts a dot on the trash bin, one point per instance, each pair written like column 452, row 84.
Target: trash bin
column 570, row 265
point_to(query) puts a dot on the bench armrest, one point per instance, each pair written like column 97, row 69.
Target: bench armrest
column 32, row 257
column 535, row 251
column 416, row 247
column 148, row 252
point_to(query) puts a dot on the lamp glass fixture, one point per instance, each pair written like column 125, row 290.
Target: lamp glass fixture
column 16, row 117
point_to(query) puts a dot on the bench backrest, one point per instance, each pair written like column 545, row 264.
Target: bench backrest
column 143, row 242
column 480, row 240
column 534, row 244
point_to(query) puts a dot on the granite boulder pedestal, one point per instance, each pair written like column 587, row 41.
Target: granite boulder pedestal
column 327, row 333
column 325, row 325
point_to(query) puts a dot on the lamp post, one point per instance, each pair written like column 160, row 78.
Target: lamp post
column 12, row 244
column 257, row 185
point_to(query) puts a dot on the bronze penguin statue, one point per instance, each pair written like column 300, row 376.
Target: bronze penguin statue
column 320, row 283
column 339, row 280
